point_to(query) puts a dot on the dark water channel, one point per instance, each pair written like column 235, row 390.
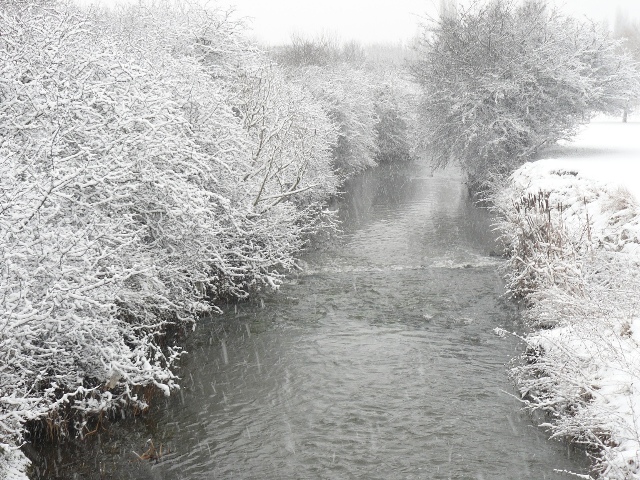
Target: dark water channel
column 377, row 362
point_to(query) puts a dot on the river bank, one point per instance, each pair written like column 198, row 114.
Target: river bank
column 571, row 227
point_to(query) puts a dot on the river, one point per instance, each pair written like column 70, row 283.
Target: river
column 378, row 361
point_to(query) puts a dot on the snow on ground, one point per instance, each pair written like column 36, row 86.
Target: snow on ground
column 585, row 269
column 13, row 464
column 606, row 150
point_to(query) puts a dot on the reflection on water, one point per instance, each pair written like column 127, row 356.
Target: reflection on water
column 377, row 362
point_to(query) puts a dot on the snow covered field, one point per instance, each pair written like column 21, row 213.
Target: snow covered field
column 572, row 229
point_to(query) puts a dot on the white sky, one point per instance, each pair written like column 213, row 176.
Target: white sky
column 369, row 21
column 376, row 20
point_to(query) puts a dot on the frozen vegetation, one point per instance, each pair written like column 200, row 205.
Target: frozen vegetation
column 502, row 82
column 571, row 227
column 503, row 79
column 152, row 162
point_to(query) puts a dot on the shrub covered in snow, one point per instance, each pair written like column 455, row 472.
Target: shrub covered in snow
column 573, row 248
column 396, row 117
column 150, row 162
column 347, row 95
column 374, row 110
column 372, row 104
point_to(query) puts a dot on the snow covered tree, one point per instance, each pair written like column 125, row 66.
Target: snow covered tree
column 502, row 79
column 321, row 51
column 370, row 103
column 150, row 164
column 628, row 31
column 291, row 139
column 347, row 96
column 395, row 107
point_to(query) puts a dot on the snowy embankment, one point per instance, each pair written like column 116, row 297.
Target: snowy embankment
column 571, row 226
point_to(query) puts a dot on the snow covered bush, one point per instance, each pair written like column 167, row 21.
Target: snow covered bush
column 371, row 104
column 321, row 51
column 542, row 254
column 291, row 138
column 149, row 164
column 84, row 195
column 373, row 110
column 396, row 98
column 501, row 79
column 347, row 95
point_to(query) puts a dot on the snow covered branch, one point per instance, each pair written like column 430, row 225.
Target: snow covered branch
column 134, row 192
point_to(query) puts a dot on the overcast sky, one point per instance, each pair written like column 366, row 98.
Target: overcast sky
column 370, row 21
